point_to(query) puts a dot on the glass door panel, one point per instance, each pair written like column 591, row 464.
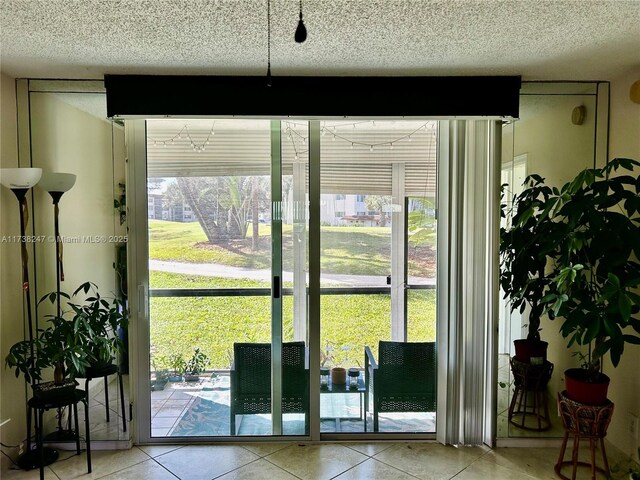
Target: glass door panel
column 367, row 170
column 210, row 248
column 295, row 262
column 421, row 268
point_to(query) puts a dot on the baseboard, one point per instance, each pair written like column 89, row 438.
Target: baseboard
column 528, row 442
column 95, row 445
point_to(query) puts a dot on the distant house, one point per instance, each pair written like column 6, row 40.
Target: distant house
column 362, row 220
column 344, row 209
column 175, row 213
column 180, row 213
column 155, row 210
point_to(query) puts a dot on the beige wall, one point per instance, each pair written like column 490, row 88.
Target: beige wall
column 624, row 391
column 12, row 390
column 67, row 139
column 64, row 138
column 557, row 150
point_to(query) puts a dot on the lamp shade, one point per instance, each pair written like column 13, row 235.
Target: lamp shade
column 20, row 177
column 57, row 182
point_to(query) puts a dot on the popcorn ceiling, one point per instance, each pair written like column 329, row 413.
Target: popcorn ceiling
column 540, row 40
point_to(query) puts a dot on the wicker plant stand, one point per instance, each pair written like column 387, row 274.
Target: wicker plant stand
column 583, row 422
column 528, row 408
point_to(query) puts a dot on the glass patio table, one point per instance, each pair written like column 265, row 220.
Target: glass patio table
column 345, row 389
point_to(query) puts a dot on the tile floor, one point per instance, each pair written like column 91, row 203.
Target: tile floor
column 305, row 461
column 100, row 428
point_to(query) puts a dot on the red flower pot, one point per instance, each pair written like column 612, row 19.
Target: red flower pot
column 525, row 349
column 586, row 387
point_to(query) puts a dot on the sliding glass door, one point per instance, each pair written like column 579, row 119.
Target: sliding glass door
column 227, row 250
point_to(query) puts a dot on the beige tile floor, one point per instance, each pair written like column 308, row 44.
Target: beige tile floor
column 306, row 461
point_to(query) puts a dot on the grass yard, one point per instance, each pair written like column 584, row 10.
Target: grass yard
column 344, row 250
column 349, row 322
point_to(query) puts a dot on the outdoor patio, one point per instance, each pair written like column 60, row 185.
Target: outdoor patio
column 187, row 409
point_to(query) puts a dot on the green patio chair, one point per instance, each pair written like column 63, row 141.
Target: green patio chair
column 403, row 381
column 250, row 378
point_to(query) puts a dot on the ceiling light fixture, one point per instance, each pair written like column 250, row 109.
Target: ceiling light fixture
column 301, row 32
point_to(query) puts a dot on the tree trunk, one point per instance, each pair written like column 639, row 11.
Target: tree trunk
column 255, row 234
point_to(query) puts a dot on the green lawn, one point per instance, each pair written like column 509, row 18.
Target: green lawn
column 346, row 250
column 349, row 322
column 213, row 324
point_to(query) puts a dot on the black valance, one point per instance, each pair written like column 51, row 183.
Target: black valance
column 312, row 97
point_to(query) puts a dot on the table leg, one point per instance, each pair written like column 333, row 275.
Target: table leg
column 29, row 413
column 124, row 413
column 106, row 395
column 87, row 434
column 39, row 441
column 77, row 427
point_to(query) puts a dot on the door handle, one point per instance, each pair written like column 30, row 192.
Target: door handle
column 276, row 286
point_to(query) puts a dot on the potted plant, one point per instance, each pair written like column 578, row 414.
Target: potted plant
column 591, row 251
column 58, row 346
column 525, row 248
column 159, row 379
column 177, row 365
column 96, row 320
column 596, row 271
column 160, row 374
column 195, row 366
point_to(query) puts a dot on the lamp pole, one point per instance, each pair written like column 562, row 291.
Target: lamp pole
column 19, row 181
column 57, row 184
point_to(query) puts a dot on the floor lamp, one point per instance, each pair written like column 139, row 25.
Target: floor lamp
column 19, row 181
column 57, row 184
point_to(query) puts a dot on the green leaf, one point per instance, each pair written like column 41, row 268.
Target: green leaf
column 624, row 304
column 632, row 339
column 614, row 279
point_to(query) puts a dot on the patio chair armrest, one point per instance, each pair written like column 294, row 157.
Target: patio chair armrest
column 369, row 359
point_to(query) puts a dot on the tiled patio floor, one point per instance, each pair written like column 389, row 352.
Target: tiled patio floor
column 202, row 409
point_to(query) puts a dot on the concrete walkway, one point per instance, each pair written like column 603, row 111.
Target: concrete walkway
column 226, row 271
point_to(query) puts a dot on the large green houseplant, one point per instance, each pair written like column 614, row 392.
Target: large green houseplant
column 583, row 265
column 596, row 270
column 526, row 245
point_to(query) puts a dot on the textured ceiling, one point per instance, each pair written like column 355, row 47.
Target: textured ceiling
column 577, row 40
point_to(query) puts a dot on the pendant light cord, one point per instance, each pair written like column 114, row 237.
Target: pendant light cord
column 268, row 43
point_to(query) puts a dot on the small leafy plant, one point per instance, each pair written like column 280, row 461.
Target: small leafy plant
column 197, row 364
column 177, row 365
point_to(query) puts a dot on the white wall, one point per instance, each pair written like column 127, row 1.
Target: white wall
column 624, row 391
column 12, row 390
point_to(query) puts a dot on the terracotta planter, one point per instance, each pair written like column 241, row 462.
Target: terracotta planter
column 526, row 349
column 585, row 387
column 338, row 376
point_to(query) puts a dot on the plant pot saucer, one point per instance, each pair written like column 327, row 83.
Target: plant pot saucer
column 31, row 460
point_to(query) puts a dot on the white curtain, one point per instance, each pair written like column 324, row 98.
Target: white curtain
column 468, row 232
